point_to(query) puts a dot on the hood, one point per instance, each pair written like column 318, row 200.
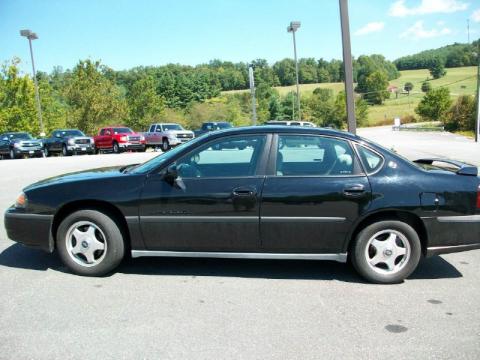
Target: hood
column 176, row 132
column 31, row 142
column 78, row 137
column 106, row 172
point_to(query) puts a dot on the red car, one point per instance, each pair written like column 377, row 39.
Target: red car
column 118, row 139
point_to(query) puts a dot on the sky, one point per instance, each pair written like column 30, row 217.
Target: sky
column 126, row 33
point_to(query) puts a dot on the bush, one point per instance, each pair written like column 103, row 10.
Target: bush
column 434, row 105
column 426, row 86
column 461, row 116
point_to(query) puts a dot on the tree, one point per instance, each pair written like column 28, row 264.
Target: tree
column 461, row 116
column 93, row 99
column 426, row 86
column 375, row 87
column 17, row 104
column 340, row 110
column 408, row 87
column 434, row 105
column 144, row 105
column 285, row 71
column 437, row 68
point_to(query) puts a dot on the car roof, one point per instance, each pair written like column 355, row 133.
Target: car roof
column 14, row 132
column 284, row 129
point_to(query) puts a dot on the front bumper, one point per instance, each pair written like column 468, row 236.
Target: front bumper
column 132, row 146
column 178, row 141
column 33, row 230
column 81, row 148
column 28, row 151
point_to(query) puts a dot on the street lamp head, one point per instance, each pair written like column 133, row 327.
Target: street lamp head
column 29, row 34
column 294, row 26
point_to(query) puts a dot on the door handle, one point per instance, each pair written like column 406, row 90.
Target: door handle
column 354, row 190
column 244, row 192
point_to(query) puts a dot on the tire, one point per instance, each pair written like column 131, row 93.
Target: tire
column 46, row 152
column 65, row 151
column 165, row 145
column 87, row 258
column 398, row 248
column 116, row 148
column 12, row 154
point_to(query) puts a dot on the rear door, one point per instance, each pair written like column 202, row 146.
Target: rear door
column 218, row 206
column 315, row 191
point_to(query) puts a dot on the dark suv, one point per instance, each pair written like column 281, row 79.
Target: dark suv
column 67, row 142
column 19, row 144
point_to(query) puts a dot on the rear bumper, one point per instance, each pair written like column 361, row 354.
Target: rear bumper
column 32, row 230
column 450, row 234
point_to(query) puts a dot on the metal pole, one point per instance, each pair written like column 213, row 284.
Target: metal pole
column 37, row 95
column 477, row 122
column 296, row 73
column 252, row 90
column 347, row 66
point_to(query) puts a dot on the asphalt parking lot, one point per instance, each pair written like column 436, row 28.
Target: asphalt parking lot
column 242, row 309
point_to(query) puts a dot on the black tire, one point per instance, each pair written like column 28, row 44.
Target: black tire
column 115, row 246
column 12, row 154
column 116, row 148
column 359, row 255
column 165, row 145
column 65, row 150
column 46, row 152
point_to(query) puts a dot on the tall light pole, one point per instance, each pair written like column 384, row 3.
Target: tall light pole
column 252, row 90
column 347, row 66
column 33, row 36
column 293, row 27
column 477, row 120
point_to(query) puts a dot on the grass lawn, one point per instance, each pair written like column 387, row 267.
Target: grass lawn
column 460, row 81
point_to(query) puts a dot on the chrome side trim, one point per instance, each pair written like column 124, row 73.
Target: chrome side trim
column 301, row 219
column 462, row 219
column 454, row 247
column 13, row 215
column 199, row 219
column 232, row 255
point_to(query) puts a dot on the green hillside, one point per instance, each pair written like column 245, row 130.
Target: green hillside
column 460, row 81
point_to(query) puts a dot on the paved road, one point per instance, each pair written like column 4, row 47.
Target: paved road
column 209, row 309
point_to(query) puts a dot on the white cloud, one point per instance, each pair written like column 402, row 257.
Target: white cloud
column 418, row 31
column 476, row 15
column 399, row 8
column 370, row 28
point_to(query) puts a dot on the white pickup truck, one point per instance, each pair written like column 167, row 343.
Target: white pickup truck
column 167, row 135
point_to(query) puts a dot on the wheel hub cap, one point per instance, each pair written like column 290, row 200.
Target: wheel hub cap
column 388, row 251
column 86, row 243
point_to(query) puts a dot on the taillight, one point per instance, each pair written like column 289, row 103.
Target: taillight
column 478, row 197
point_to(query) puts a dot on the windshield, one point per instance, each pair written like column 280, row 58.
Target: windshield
column 222, row 126
column 163, row 158
column 168, row 127
column 25, row 136
column 122, row 130
column 72, row 133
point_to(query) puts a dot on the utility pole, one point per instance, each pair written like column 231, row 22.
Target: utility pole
column 252, row 91
column 477, row 122
column 32, row 36
column 347, row 66
column 293, row 27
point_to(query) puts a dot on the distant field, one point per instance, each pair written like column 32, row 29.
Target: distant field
column 460, row 81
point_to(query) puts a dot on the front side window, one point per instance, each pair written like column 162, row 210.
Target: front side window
column 229, row 157
column 306, row 155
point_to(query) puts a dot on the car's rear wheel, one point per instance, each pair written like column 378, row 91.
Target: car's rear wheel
column 90, row 243
column 386, row 252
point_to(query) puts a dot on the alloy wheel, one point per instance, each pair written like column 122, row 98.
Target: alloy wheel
column 86, row 243
column 388, row 251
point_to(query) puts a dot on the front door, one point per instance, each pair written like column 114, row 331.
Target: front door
column 312, row 196
column 214, row 205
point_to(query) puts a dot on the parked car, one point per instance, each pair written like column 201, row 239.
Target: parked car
column 19, row 144
column 212, row 126
column 119, row 139
column 68, row 142
column 167, row 135
column 337, row 197
column 291, row 123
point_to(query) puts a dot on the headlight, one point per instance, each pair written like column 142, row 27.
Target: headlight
column 172, row 137
column 142, row 138
column 16, row 145
column 21, row 201
column 123, row 138
column 71, row 141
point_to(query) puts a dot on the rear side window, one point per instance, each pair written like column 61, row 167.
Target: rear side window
column 306, row 155
column 370, row 159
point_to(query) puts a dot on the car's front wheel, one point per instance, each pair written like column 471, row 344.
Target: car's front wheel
column 90, row 243
column 165, row 145
column 386, row 252
column 13, row 155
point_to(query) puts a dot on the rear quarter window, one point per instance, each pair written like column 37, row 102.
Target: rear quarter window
column 371, row 160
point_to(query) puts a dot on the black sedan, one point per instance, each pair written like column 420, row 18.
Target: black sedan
column 285, row 193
